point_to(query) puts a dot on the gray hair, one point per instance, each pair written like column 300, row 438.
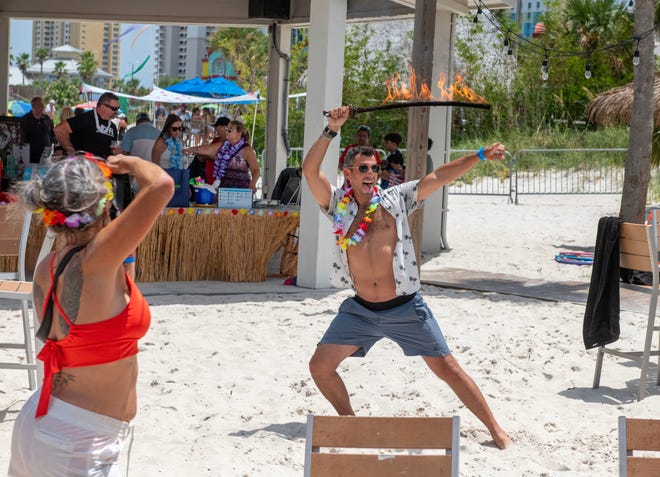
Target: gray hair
column 349, row 160
column 72, row 185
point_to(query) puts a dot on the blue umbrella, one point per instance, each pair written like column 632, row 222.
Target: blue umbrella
column 211, row 88
column 19, row 108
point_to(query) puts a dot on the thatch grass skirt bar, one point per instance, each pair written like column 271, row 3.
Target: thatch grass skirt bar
column 213, row 244
column 190, row 244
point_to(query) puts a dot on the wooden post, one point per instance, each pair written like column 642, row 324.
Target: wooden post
column 418, row 118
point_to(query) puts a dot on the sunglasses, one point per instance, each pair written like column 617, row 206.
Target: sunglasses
column 363, row 168
column 115, row 109
column 180, row 128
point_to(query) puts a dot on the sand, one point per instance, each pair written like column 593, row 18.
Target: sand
column 224, row 387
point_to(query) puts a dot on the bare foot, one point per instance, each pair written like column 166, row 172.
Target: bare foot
column 502, row 439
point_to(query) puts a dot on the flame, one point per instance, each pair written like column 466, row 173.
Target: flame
column 401, row 90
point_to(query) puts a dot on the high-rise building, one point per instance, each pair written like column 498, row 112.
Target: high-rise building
column 85, row 36
column 526, row 14
column 180, row 50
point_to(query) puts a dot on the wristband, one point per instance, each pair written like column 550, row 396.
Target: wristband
column 329, row 133
column 480, row 153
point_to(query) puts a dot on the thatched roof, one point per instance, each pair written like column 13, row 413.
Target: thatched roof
column 614, row 106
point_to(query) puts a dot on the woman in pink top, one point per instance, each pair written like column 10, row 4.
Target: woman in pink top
column 92, row 316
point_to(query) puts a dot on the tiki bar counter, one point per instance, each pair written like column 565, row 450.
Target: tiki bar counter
column 200, row 243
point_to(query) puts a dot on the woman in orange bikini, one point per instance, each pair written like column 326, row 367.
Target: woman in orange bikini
column 91, row 314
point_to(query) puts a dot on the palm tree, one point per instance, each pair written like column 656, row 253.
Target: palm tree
column 87, row 66
column 60, row 70
column 41, row 54
column 22, row 61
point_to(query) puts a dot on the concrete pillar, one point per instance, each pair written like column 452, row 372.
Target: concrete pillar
column 435, row 210
column 324, row 90
column 277, row 105
column 4, row 63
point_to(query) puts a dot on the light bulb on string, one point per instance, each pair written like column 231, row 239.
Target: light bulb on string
column 477, row 16
column 506, row 41
column 636, row 54
column 631, row 6
column 587, row 71
column 544, row 65
column 544, row 73
column 509, row 51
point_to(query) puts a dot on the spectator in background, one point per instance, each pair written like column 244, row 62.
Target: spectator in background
column 429, row 159
column 362, row 138
column 168, row 148
column 65, row 113
column 93, row 131
column 202, row 165
column 122, row 126
column 393, row 167
column 235, row 164
column 50, row 109
column 196, row 127
column 160, row 112
column 139, row 140
column 37, row 130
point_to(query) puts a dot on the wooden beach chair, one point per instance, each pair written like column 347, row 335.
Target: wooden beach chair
column 638, row 250
column 14, row 233
column 389, row 446
column 639, row 435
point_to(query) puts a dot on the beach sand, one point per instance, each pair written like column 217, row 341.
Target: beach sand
column 224, row 388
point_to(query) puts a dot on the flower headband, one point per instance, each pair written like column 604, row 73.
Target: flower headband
column 80, row 219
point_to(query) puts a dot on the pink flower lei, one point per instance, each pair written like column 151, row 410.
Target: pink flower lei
column 340, row 215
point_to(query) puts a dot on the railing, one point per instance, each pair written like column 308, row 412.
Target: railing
column 492, row 178
column 568, row 171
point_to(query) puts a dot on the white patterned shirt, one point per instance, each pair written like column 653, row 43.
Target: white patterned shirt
column 399, row 201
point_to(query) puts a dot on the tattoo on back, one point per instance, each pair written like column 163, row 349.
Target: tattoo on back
column 71, row 293
column 38, row 296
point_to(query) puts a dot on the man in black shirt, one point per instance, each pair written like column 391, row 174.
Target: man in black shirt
column 92, row 131
column 37, row 130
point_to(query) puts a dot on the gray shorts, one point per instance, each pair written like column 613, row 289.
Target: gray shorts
column 411, row 326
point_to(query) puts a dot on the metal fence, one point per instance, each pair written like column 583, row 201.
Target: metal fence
column 534, row 171
column 568, row 171
column 492, row 178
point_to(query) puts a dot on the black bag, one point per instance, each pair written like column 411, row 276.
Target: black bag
column 181, row 197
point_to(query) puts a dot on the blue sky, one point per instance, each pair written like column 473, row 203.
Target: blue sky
column 132, row 55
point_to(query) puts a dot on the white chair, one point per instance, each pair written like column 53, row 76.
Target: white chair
column 638, row 250
column 425, row 446
column 14, row 233
column 641, row 435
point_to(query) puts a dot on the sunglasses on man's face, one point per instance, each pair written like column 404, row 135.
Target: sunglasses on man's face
column 180, row 128
column 115, row 109
column 363, row 168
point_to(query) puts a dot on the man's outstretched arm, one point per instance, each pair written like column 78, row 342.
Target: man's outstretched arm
column 446, row 173
column 318, row 183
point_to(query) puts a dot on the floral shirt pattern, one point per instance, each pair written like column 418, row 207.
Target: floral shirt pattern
column 399, row 201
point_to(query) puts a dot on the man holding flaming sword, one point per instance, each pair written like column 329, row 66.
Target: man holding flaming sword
column 376, row 258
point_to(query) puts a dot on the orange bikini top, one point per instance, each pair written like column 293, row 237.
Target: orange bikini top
column 91, row 344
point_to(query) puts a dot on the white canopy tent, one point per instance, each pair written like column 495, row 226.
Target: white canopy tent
column 161, row 95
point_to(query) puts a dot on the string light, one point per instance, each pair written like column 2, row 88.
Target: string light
column 511, row 37
column 631, row 6
column 477, row 16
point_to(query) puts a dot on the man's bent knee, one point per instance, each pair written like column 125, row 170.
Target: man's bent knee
column 327, row 358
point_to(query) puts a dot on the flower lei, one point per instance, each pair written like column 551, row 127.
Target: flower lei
column 225, row 153
column 80, row 219
column 340, row 214
column 175, row 148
